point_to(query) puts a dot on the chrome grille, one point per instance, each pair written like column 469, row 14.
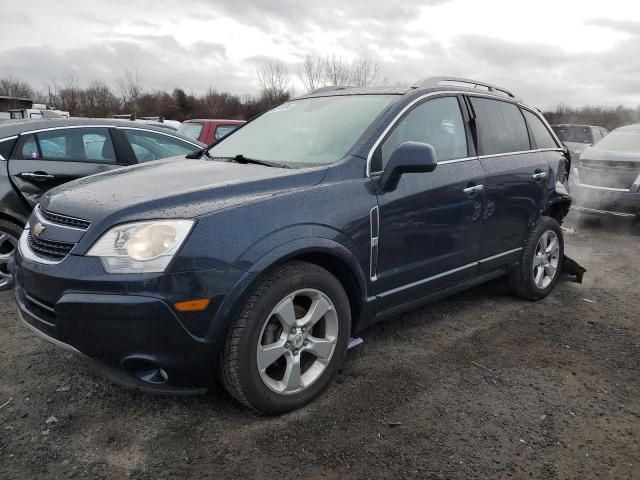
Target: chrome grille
column 49, row 249
column 65, row 220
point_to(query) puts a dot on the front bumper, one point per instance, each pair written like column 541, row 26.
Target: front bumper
column 605, row 201
column 125, row 324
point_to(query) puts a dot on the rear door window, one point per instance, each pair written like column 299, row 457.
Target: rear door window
column 76, row 145
column 438, row 122
column 541, row 135
column 501, row 127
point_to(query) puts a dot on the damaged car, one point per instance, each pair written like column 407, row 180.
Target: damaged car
column 606, row 178
column 256, row 260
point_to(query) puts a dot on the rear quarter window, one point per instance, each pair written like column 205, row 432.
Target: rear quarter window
column 501, row 127
column 539, row 132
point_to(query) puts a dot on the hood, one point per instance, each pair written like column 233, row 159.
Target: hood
column 172, row 188
column 594, row 153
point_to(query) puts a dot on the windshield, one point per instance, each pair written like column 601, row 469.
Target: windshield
column 574, row 133
column 191, row 130
column 305, row 133
column 627, row 141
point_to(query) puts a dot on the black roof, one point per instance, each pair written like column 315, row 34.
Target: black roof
column 10, row 128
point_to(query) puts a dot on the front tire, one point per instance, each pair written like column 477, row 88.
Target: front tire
column 541, row 264
column 288, row 341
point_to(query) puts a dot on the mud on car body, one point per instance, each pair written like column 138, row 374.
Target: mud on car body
column 258, row 261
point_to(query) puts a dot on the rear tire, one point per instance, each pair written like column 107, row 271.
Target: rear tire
column 288, row 341
column 539, row 269
column 9, row 237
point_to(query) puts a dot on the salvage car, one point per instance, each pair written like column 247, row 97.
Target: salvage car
column 606, row 179
column 260, row 260
column 38, row 155
column 209, row 131
column 579, row 137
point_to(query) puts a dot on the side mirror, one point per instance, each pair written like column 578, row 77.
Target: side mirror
column 408, row 157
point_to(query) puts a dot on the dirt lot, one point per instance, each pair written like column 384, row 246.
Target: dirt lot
column 480, row 385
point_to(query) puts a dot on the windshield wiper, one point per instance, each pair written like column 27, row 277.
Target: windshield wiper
column 244, row 160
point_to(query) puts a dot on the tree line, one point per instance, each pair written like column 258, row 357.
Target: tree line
column 275, row 79
column 129, row 96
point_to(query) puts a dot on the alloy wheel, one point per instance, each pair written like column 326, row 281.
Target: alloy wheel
column 546, row 259
column 8, row 245
column 297, row 341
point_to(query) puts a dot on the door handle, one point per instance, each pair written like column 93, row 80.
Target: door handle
column 36, row 176
column 473, row 189
column 539, row 176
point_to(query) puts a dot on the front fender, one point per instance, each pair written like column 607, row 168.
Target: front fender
column 279, row 254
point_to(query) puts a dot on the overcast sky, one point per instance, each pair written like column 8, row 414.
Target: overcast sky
column 547, row 51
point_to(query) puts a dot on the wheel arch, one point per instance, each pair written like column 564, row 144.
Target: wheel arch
column 325, row 253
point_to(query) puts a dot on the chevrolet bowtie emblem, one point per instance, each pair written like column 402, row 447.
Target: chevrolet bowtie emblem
column 38, row 229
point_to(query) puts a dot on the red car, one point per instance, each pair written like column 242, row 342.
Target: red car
column 207, row 130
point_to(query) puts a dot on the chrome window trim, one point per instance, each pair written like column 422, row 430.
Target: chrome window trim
column 29, row 132
column 6, row 140
column 448, row 272
column 458, row 92
column 122, row 127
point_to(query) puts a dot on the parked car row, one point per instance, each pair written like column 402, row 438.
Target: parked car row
column 36, row 156
column 605, row 176
column 257, row 259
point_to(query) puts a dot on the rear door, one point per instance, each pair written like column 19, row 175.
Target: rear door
column 514, row 183
column 48, row 158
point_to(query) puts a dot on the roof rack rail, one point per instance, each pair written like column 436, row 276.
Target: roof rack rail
column 433, row 81
column 329, row 88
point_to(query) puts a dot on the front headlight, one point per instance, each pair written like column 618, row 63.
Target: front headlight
column 141, row 247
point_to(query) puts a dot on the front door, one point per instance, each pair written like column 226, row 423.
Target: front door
column 43, row 160
column 430, row 223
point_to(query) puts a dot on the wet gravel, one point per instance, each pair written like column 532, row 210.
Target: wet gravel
column 480, row 385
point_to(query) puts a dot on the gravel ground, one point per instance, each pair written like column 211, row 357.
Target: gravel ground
column 480, row 385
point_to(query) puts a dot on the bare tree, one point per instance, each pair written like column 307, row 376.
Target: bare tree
column 364, row 72
column 12, row 87
column 130, row 86
column 274, row 80
column 311, row 72
column 337, row 71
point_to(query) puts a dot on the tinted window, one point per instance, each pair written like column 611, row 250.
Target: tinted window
column 224, row 130
column 6, row 147
column 28, row 148
column 76, row 145
column 149, row 146
column 539, row 132
column 191, row 130
column 501, row 127
column 438, row 122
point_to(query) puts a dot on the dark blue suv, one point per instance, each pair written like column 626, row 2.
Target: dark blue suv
column 260, row 259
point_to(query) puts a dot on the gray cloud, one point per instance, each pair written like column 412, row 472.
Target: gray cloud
column 144, row 35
